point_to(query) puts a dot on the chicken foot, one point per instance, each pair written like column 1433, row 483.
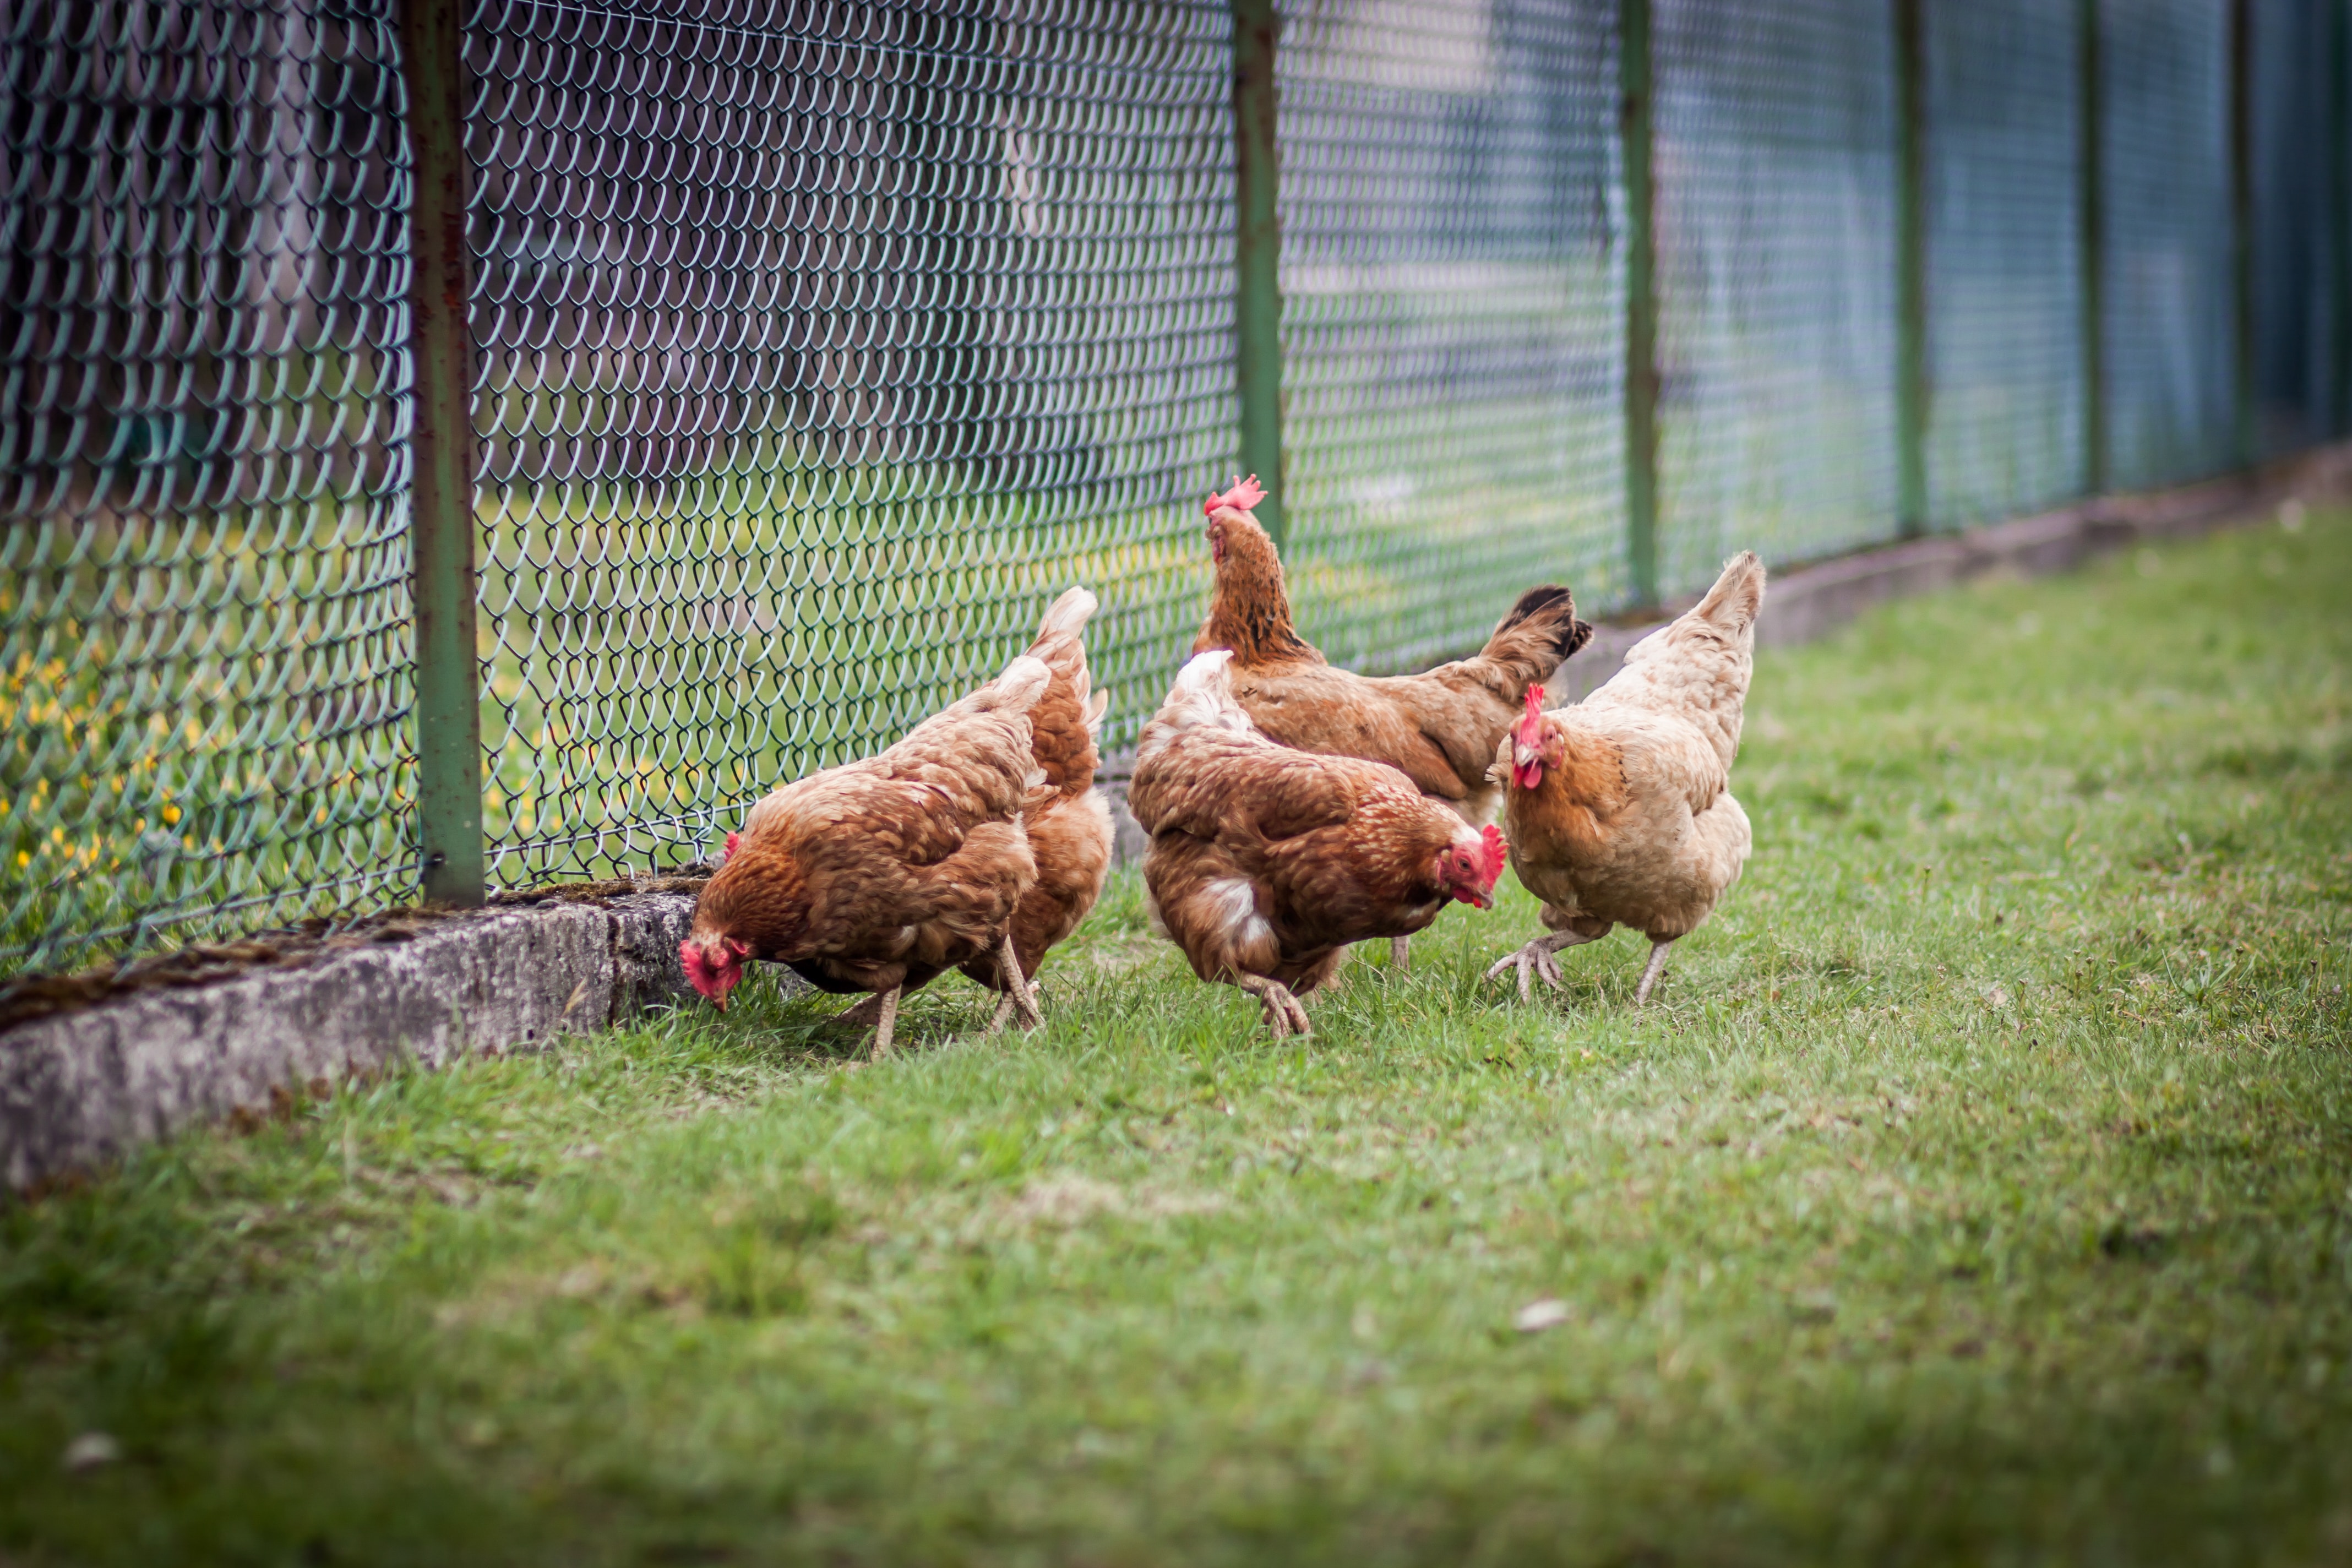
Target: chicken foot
column 1537, row 959
column 1401, row 954
column 1284, row 1014
column 1020, row 996
column 888, row 1018
column 1657, row 966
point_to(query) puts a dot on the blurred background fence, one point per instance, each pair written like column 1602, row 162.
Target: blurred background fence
column 811, row 347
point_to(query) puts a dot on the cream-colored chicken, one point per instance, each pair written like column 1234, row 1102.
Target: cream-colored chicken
column 1619, row 808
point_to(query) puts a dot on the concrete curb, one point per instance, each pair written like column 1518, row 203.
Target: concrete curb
column 83, row 1088
column 79, row 1089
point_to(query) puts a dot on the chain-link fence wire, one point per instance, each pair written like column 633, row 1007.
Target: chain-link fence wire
column 2298, row 154
column 2002, row 109
column 822, row 345
column 204, row 639
column 819, row 344
column 1776, row 207
column 2170, row 280
column 1453, row 326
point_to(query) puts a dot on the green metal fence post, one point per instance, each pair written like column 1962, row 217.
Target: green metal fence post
column 2093, row 219
column 2241, row 219
column 1634, row 83
column 1258, row 255
column 442, row 446
column 2339, row 170
column 1911, row 268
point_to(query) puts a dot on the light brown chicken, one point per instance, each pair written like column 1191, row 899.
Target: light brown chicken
column 1068, row 822
column 880, row 874
column 1439, row 726
column 1619, row 808
column 1265, row 861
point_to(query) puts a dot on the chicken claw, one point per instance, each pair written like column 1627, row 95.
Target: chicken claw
column 1539, row 957
column 1401, row 954
column 1284, row 1014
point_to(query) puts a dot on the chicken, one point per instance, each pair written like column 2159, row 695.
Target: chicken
column 1068, row 822
column 1265, row 861
column 1619, row 808
column 1440, row 727
column 879, row 875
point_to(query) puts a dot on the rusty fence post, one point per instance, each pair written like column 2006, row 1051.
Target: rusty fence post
column 1911, row 384
column 1634, row 129
column 2092, row 237
column 1257, row 260
column 442, row 450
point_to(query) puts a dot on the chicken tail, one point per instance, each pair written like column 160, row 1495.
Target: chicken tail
column 1737, row 596
column 1068, row 721
column 1537, row 636
column 1024, row 681
column 1203, row 694
column 1069, row 614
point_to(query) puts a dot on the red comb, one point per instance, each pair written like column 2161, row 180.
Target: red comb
column 1531, row 728
column 728, row 854
column 1492, row 853
column 698, row 973
column 1244, row 497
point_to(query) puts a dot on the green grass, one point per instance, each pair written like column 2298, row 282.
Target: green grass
column 1979, row 1190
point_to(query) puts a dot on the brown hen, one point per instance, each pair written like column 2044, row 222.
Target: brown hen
column 1440, row 728
column 880, row 874
column 1267, row 861
column 1067, row 820
column 1619, row 807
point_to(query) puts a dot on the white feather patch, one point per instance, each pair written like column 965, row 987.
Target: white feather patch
column 1236, row 906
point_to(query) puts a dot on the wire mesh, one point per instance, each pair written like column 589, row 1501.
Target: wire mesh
column 821, row 346
column 2298, row 153
column 820, row 343
column 2004, row 210
column 2170, row 291
column 203, row 576
column 1453, row 361
column 1775, row 170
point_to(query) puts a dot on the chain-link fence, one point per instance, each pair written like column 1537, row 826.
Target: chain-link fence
column 817, row 344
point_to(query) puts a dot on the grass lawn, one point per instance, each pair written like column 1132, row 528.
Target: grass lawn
column 1978, row 1190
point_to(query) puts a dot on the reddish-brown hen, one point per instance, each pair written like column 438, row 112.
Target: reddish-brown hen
column 1068, row 821
column 1267, row 861
column 1619, row 807
column 879, row 875
column 1440, row 727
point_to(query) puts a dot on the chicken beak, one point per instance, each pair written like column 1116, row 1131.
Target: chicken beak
column 719, row 1001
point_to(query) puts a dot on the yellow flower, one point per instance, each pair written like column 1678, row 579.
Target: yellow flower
column 171, row 814
column 23, row 859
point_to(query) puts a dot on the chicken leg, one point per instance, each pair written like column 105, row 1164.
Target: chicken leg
column 1019, row 997
column 1535, row 958
column 1285, row 1014
column 862, row 1016
column 1401, row 954
column 883, row 1025
column 1657, row 966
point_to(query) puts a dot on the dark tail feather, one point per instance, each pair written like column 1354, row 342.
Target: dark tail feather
column 1541, row 631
